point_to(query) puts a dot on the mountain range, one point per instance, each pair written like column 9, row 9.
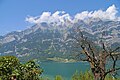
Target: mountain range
column 49, row 40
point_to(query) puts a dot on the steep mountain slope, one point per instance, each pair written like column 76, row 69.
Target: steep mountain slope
column 48, row 40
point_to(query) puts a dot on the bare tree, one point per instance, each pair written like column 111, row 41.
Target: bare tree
column 98, row 58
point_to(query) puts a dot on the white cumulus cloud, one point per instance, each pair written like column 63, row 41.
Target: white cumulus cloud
column 109, row 14
column 60, row 16
column 42, row 18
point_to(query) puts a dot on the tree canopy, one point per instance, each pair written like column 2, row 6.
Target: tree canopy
column 11, row 69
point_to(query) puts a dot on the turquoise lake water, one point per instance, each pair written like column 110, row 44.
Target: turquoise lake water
column 66, row 70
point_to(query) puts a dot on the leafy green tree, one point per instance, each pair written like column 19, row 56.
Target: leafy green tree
column 31, row 71
column 8, row 64
column 11, row 68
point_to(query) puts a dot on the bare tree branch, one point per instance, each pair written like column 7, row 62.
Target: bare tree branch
column 112, row 70
column 115, row 49
column 97, row 62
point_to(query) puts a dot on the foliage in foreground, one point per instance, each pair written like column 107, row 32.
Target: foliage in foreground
column 11, row 69
column 81, row 76
column 88, row 76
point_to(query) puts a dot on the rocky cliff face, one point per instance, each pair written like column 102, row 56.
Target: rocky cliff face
column 51, row 39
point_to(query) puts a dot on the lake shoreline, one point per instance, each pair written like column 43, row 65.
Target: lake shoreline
column 58, row 59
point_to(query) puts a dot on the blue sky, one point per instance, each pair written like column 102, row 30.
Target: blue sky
column 14, row 12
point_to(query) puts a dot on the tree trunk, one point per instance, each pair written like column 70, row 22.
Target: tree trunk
column 99, row 76
column 98, row 67
column 102, row 78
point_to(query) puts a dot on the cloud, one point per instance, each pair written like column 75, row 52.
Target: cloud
column 30, row 19
column 109, row 14
column 42, row 18
column 57, row 17
column 60, row 17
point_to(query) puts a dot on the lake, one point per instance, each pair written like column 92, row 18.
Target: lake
column 66, row 70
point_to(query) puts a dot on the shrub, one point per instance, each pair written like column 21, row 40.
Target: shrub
column 11, row 68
